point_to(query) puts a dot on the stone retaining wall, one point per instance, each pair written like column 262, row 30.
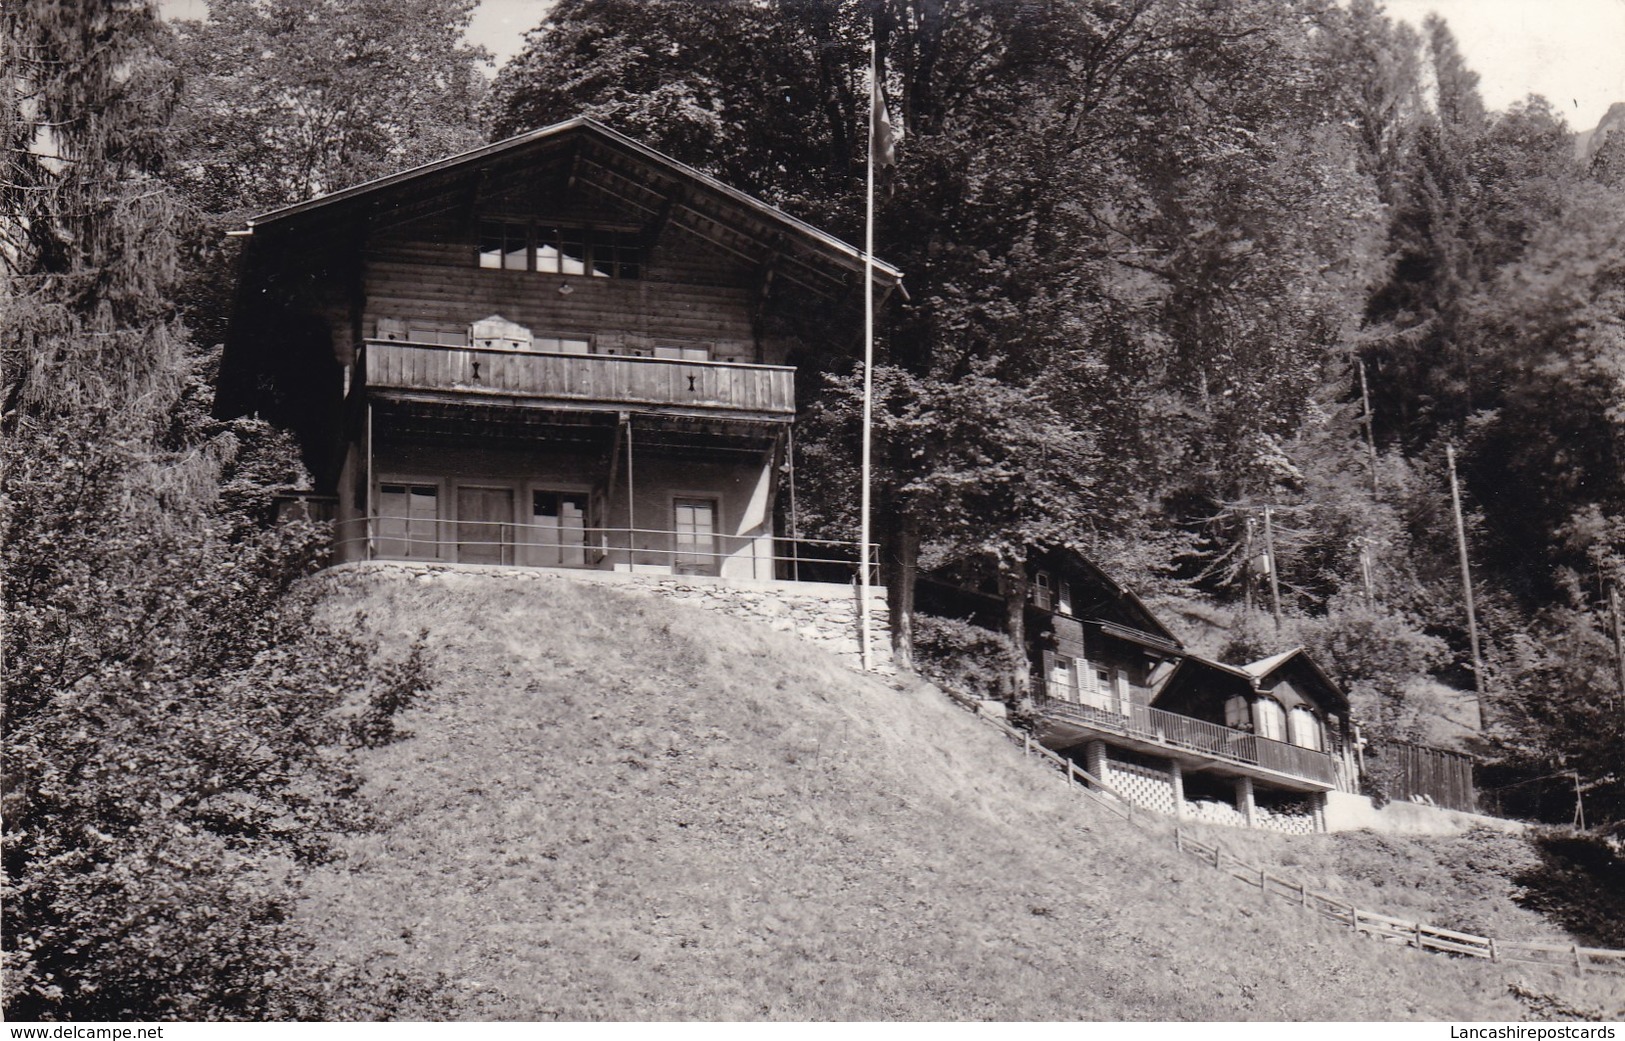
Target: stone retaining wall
column 822, row 613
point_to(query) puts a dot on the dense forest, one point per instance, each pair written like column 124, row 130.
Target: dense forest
column 1170, row 264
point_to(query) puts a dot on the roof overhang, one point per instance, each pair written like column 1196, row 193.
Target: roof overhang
column 637, row 176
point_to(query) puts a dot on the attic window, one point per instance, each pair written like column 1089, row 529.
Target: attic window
column 550, row 250
column 505, row 247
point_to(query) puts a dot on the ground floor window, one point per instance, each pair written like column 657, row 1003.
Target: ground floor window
column 557, row 533
column 408, row 521
column 694, row 538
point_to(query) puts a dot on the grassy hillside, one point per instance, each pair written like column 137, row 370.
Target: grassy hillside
column 616, row 807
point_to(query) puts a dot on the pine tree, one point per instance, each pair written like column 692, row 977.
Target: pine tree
column 167, row 729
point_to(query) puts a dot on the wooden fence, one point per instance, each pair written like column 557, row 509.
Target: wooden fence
column 1357, row 920
column 1437, row 775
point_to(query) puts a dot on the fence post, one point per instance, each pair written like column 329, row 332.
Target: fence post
column 1071, row 773
column 1579, row 959
column 1354, row 918
column 1416, row 934
column 1303, row 896
column 1179, row 840
column 1495, row 952
column 1026, row 743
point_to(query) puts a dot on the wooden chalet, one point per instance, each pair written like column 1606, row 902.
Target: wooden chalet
column 562, row 349
column 1113, row 687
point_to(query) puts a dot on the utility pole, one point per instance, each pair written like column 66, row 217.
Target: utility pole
column 1247, row 569
column 1619, row 634
column 1269, row 552
column 1370, row 432
column 1467, row 586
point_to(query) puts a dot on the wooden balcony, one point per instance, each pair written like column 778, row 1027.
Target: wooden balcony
column 1196, row 743
column 581, row 381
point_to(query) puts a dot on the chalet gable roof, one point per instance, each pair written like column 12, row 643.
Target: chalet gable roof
column 1260, row 676
column 1263, row 670
column 1065, row 558
column 584, row 153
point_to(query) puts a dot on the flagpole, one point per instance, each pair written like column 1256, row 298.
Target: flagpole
column 868, row 360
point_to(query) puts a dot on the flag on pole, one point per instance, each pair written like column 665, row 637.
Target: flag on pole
column 883, row 143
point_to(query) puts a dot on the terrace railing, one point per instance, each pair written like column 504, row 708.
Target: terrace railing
column 381, row 537
column 1191, row 735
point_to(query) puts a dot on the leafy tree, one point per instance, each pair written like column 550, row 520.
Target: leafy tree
column 1559, row 704
column 1374, row 82
column 1551, row 323
column 169, row 744
column 286, row 99
column 767, row 97
column 281, row 100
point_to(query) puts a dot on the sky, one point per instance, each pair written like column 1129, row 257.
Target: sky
column 1570, row 51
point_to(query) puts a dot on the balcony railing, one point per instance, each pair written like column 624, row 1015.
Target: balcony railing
column 636, row 549
column 1192, row 735
column 762, row 391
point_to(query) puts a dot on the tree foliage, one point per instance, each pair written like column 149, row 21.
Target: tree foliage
column 286, row 99
column 170, row 747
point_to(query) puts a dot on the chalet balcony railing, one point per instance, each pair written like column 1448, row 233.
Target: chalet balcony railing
column 764, row 391
column 383, row 537
column 1192, row 735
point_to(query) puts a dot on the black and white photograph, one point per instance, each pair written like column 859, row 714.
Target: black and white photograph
column 769, row 512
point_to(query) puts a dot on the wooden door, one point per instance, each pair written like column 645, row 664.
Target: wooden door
column 485, row 525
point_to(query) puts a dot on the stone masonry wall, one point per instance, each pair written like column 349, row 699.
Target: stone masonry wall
column 823, row 614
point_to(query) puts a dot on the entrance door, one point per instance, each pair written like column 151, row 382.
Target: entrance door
column 695, row 543
column 485, row 525
column 557, row 536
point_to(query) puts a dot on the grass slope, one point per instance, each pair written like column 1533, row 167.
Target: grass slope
column 617, row 807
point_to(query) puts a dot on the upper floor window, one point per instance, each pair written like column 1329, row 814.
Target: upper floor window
column 683, row 351
column 1304, row 729
column 1269, row 719
column 550, row 250
column 563, row 344
column 1041, row 591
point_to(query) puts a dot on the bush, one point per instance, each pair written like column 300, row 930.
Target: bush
column 1580, row 884
column 964, row 657
column 397, row 686
column 153, row 825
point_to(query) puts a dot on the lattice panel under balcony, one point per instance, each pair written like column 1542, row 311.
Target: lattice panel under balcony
column 1141, row 785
